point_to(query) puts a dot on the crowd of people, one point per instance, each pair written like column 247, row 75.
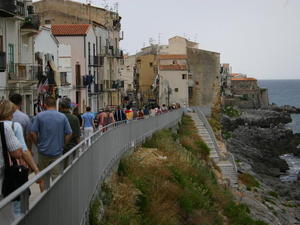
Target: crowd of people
column 32, row 144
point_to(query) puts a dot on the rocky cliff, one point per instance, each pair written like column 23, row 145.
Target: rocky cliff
column 257, row 138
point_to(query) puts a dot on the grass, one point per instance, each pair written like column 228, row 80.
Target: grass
column 249, row 181
column 190, row 140
column 273, row 194
column 231, row 111
column 164, row 183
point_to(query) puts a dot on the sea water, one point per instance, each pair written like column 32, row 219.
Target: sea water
column 286, row 92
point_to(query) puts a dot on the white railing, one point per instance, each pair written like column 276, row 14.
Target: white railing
column 66, row 199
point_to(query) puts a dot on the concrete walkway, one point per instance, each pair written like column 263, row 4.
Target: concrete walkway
column 224, row 162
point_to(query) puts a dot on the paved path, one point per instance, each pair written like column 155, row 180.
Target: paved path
column 226, row 165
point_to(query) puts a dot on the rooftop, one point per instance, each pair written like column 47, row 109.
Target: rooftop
column 173, row 67
column 172, row 57
column 70, row 29
column 244, row 79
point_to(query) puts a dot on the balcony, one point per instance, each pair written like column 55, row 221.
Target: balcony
column 119, row 54
column 96, row 61
column 98, row 88
column 18, row 72
column 2, row 61
column 11, row 8
column 31, row 25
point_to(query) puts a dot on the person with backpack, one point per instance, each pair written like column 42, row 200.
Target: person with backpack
column 13, row 151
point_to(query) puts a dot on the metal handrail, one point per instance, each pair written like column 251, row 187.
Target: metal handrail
column 213, row 136
column 76, row 153
column 233, row 161
column 209, row 129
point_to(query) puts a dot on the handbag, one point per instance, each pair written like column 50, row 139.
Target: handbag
column 14, row 175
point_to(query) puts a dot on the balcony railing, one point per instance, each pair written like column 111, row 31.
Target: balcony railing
column 31, row 22
column 2, row 61
column 10, row 8
column 96, row 61
column 23, row 72
column 119, row 54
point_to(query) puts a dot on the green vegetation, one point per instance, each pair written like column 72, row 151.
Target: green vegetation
column 249, row 181
column 190, row 140
column 164, row 183
column 273, row 194
column 231, row 111
column 227, row 134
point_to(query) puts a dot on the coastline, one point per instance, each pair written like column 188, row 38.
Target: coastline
column 258, row 138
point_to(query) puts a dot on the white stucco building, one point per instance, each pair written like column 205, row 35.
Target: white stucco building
column 82, row 39
column 173, row 72
column 65, row 69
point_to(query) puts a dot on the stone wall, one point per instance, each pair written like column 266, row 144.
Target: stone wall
column 64, row 12
column 205, row 69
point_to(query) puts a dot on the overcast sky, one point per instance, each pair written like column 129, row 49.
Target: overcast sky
column 258, row 37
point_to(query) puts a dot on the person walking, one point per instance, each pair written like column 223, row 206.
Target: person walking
column 12, row 140
column 65, row 108
column 119, row 114
column 50, row 131
column 21, row 117
column 76, row 113
column 110, row 117
column 101, row 119
column 88, row 122
column 152, row 111
column 129, row 113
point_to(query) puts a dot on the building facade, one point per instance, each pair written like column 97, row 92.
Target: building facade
column 247, row 94
column 106, row 60
column 18, row 72
column 82, row 39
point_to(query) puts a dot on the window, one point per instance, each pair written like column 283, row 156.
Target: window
column 100, row 45
column 63, row 78
column 94, row 49
column 176, row 89
column 190, row 76
column 1, row 43
column 11, row 58
column 78, row 75
column 183, row 76
column 47, row 21
column 89, row 53
column 151, row 64
column 174, row 61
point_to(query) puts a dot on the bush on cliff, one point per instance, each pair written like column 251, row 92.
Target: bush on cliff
column 164, row 183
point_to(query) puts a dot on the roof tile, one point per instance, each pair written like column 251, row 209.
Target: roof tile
column 70, row 29
column 244, row 79
column 173, row 57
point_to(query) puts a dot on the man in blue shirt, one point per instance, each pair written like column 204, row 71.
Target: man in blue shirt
column 88, row 122
column 50, row 131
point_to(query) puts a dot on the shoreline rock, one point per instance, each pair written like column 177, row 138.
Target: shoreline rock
column 257, row 139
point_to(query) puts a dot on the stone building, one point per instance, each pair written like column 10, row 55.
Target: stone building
column 247, row 94
column 108, row 56
column 18, row 71
column 204, row 68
